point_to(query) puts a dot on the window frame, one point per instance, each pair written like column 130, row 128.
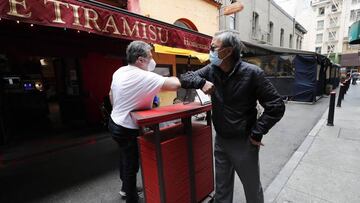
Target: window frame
column 255, row 23
column 232, row 21
column 321, row 40
column 332, row 8
column 329, row 47
column 317, row 25
column 271, row 32
column 323, row 13
column 282, row 34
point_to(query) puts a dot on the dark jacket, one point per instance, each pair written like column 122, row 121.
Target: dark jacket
column 234, row 99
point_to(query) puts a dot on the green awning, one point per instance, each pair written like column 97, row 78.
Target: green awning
column 354, row 34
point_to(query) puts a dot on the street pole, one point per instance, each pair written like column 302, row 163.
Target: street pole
column 341, row 94
column 331, row 109
column 347, row 85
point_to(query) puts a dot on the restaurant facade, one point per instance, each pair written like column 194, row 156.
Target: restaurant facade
column 57, row 59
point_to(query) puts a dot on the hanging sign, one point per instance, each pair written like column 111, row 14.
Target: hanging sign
column 85, row 17
column 233, row 8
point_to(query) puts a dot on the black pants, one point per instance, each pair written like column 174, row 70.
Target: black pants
column 354, row 81
column 129, row 158
column 240, row 156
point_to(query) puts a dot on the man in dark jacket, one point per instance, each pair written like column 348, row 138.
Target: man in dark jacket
column 235, row 87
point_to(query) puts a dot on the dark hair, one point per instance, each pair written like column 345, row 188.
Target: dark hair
column 136, row 49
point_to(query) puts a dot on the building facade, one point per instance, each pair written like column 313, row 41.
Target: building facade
column 328, row 33
column 264, row 22
column 201, row 16
column 349, row 55
column 198, row 15
column 352, row 14
column 56, row 62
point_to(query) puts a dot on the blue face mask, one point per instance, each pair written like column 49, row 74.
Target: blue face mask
column 214, row 58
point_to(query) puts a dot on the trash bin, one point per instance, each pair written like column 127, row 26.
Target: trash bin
column 176, row 161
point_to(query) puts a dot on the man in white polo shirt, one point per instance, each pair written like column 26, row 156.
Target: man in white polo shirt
column 133, row 87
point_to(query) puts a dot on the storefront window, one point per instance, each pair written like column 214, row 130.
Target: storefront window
column 273, row 65
column 285, row 66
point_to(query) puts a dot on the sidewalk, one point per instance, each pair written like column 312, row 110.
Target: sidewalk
column 326, row 167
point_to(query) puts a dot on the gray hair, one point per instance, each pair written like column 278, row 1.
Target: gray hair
column 136, row 49
column 231, row 38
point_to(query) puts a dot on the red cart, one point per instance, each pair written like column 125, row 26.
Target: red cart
column 176, row 160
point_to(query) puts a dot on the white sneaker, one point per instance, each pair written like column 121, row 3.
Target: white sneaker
column 122, row 193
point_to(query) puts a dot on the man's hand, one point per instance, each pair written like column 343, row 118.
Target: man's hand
column 208, row 88
column 256, row 143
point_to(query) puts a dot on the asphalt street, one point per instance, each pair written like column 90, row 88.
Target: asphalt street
column 283, row 140
column 88, row 173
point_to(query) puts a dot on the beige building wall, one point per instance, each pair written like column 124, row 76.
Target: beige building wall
column 203, row 13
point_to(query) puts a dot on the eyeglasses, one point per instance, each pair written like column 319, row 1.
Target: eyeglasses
column 213, row 48
column 219, row 49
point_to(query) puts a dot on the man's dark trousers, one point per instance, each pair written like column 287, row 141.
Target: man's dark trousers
column 128, row 158
column 237, row 155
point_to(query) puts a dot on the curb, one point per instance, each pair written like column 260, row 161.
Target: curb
column 276, row 186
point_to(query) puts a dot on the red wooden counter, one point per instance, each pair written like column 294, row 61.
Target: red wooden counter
column 176, row 160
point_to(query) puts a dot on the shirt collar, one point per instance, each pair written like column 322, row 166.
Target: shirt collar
column 233, row 71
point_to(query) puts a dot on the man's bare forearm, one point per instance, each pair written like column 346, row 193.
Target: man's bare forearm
column 111, row 98
column 171, row 84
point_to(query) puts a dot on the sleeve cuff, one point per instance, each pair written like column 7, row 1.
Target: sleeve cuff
column 257, row 137
column 202, row 83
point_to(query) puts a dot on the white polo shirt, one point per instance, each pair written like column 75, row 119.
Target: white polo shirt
column 133, row 89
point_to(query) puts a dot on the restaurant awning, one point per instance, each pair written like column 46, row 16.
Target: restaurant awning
column 350, row 59
column 354, row 33
column 102, row 19
column 182, row 52
column 263, row 49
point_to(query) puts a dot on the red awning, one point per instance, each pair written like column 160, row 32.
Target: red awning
column 102, row 20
